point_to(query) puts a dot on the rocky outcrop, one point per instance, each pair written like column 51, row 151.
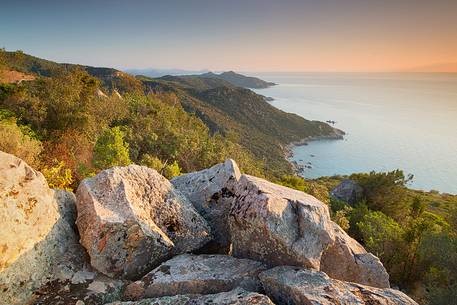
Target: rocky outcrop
column 347, row 260
column 85, row 287
column 288, row 285
column 131, row 219
column 237, row 296
column 281, row 226
column 199, row 274
column 348, row 191
column 37, row 231
column 211, row 192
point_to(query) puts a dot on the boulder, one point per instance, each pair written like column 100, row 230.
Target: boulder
column 237, row 296
column 347, row 260
column 287, row 285
column 85, row 287
column 348, row 191
column 281, row 226
column 37, row 231
column 211, row 192
column 131, row 219
column 199, row 274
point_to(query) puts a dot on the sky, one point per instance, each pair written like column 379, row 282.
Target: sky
column 242, row 35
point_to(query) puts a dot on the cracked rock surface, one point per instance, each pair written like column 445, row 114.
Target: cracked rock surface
column 36, row 231
column 281, row 226
column 211, row 192
column 237, row 296
column 131, row 219
column 288, row 285
column 200, row 274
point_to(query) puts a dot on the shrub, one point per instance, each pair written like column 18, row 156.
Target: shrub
column 14, row 141
column 171, row 170
column 111, row 149
column 58, row 176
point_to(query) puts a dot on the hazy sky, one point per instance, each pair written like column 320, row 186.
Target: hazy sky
column 244, row 35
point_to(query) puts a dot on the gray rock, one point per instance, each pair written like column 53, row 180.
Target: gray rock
column 347, row 260
column 200, row 274
column 38, row 242
column 287, row 285
column 281, row 226
column 90, row 289
column 348, row 191
column 237, row 296
column 211, row 192
column 131, row 219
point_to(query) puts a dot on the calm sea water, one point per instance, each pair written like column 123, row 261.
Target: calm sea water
column 406, row 121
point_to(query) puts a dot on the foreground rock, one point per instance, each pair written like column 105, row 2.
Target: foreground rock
column 85, row 287
column 198, row 274
column 288, row 285
column 237, row 296
column 348, row 191
column 281, row 226
column 37, row 231
column 211, row 192
column 131, row 219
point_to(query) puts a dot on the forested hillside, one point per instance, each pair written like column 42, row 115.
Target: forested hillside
column 231, row 113
column 242, row 115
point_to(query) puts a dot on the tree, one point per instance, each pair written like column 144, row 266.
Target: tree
column 111, row 149
column 382, row 236
column 385, row 192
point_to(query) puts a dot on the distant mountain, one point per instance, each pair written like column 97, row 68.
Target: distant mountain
column 233, row 78
column 240, row 80
column 162, row 72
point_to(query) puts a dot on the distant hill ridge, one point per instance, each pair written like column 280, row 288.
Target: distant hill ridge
column 240, row 80
column 217, row 99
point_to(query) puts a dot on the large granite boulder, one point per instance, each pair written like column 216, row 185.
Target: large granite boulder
column 37, row 231
column 198, row 274
column 287, row 285
column 237, row 296
column 281, row 226
column 348, row 191
column 131, row 219
column 211, row 192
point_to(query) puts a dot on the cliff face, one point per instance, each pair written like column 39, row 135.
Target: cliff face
column 134, row 225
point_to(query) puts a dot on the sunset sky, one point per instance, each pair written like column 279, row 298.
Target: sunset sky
column 243, row 35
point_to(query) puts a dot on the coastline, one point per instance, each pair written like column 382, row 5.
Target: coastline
column 288, row 149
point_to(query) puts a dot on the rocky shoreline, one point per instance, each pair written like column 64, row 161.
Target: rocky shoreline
column 288, row 149
column 129, row 236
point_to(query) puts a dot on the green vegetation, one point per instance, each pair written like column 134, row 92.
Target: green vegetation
column 18, row 141
column 240, row 80
column 243, row 116
column 111, row 149
column 236, row 121
column 414, row 233
column 70, row 122
column 70, row 125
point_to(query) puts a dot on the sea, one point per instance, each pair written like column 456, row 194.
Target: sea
column 392, row 121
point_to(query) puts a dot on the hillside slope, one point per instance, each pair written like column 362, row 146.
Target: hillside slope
column 234, row 112
column 240, row 80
